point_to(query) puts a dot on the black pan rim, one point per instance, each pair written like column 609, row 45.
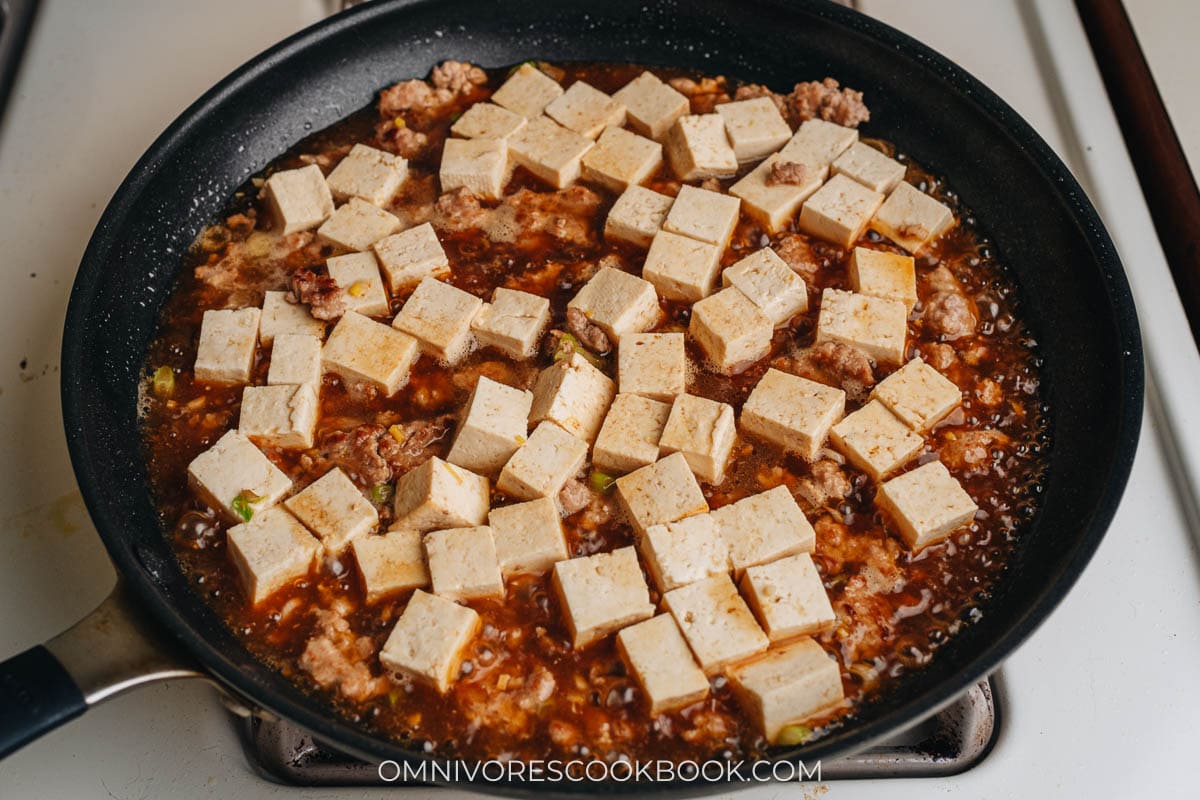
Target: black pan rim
column 351, row 739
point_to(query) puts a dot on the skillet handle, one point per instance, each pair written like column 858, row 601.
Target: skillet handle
column 111, row 650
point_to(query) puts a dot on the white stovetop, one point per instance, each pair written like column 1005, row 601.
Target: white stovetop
column 1102, row 700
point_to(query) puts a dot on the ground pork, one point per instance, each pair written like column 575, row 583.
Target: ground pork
column 320, row 292
column 969, row 453
column 787, row 172
column 799, row 254
column 836, row 364
column 575, row 496
column 336, row 658
column 950, row 315
column 825, row 100
column 705, row 94
column 459, row 77
column 371, row 454
column 825, row 485
column 524, row 216
column 587, row 332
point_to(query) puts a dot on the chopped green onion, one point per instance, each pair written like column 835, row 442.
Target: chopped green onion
column 243, row 504
column 382, row 494
column 568, row 344
column 163, row 382
column 793, row 735
column 600, row 481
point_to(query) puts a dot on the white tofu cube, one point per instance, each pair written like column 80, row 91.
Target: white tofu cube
column 487, row 121
column 698, row 148
column 665, row 491
column 839, row 211
column 653, row 365
column 439, row 316
column 295, row 358
column 228, row 344
column 681, row 268
column 651, row 106
column 731, row 330
column 437, row 495
column 703, row 215
column 529, row 537
column 871, row 168
column 543, row 464
column 601, row 594
column 659, row 658
column 875, row 325
column 817, row 144
column 875, row 440
column 771, row 204
column 788, row 598
column 363, row 350
column 927, row 504
column 283, row 416
column 629, row 437
column 911, row 218
column 621, row 159
column 234, row 477
column 527, row 91
column 788, row 685
column 270, row 551
column 360, row 283
column 918, row 394
column 755, row 128
column 716, row 622
column 769, row 283
column 357, row 225
column 683, row 552
column 494, row 425
column 704, row 431
column 479, row 165
column 299, row 198
column 637, row 216
column 792, row 412
column 370, row 174
column 549, row 151
column 335, row 510
column 429, row 640
column 390, row 564
column 280, row 316
column 886, row 275
column 619, row 303
column 410, row 256
column 764, row 527
column 513, row 322
column 462, row 563
column 586, row 110
column 574, row 395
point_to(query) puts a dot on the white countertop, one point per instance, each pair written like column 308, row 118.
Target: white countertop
column 1102, row 700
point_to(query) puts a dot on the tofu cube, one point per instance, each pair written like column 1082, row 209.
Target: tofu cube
column 299, row 198
column 911, row 218
column 792, row 412
column 886, row 275
column 410, row 256
column 429, row 640
column 703, row 215
column 463, row 564
column 360, row 283
column 716, row 622
column 234, row 477
column 755, row 128
column 357, row 225
column 601, row 594
column 817, row 144
column 918, row 394
column 681, row 268
column 704, row 431
column 773, row 205
column 651, row 106
column 529, row 537
column 513, row 322
column 270, row 551
column 653, row 365
column 788, row 685
column 764, row 527
column 629, row 437
column 621, row 159
column 390, row 564
column 295, row 358
column 361, row 349
column 543, row 464
column 439, row 316
column 875, row 440
column 283, row 416
column 662, row 492
column 527, row 91
column 335, row 510
column 788, row 598
column 768, row 282
column 698, row 148
column 927, row 504
column 659, row 658
column 586, row 110
column 875, row 325
column 494, row 425
column 228, row 344
column 731, row 330
column 574, row 395
column 369, row 174
column 487, row 121
column 618, row 302
column 637, row 216
column 871, row 168
column 280, row 316
column 683, row 552
column 437, row 495
column 839, row 211
column 549, row 151
column 479, row 165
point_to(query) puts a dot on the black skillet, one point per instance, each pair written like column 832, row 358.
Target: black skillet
column 1075, row 297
